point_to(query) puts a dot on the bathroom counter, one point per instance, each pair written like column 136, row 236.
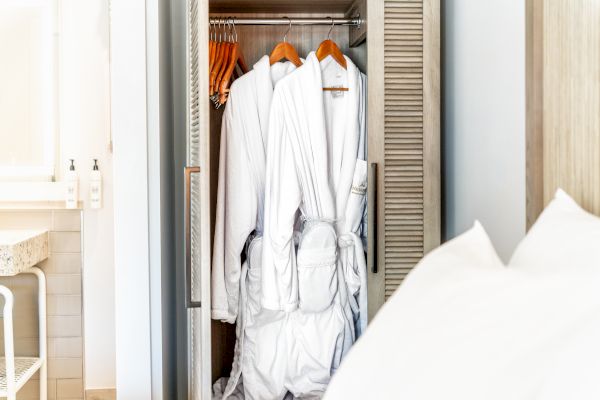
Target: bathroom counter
column 21, row 250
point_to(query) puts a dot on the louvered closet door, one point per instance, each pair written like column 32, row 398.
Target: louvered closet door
column 404, row 140
column 197, row 290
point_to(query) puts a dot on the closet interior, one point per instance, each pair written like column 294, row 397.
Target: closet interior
column 306, row 32
column 396, row 44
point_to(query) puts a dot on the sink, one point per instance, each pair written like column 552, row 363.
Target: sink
column 21, row 250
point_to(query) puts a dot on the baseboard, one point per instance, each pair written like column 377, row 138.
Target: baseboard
column 101, row 394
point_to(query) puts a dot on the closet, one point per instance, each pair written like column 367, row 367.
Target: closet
column 397, row 46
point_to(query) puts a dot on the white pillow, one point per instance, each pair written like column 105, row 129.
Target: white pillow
column 424, row 342
column 467, row 256
column 472, row 249
column 564, row 236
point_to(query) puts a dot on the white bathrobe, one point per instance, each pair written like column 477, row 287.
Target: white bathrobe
column 236, row 286
column 315, row 165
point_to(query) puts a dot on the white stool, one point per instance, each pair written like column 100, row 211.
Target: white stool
column 16, row 371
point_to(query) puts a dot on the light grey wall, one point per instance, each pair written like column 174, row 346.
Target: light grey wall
column 166, row 83
column 160, row 198
column 178, row 71
column 484, row 119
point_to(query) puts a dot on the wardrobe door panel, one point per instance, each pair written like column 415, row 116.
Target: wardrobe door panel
column 403, row 139
column 198, row 242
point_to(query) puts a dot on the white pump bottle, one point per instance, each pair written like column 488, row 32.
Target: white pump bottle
column 96, row 187
column 72, row 187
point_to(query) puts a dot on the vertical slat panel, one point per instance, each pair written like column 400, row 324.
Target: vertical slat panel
column 403, row 173
column 193, row 149
column 404, row 138
column 193, row 145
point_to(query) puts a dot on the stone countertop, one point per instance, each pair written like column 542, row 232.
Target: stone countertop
column 21, row 250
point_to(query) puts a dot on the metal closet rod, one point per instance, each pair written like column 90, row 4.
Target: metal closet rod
column 286, row 21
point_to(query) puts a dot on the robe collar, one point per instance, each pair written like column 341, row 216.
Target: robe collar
column 266, row 76
column 351, row 98
column 344, row 133
column 264, row 92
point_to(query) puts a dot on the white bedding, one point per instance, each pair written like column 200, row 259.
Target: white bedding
column 464, row 326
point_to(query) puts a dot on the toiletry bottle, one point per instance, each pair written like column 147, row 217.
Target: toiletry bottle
column 72, row 181
column 96, row 187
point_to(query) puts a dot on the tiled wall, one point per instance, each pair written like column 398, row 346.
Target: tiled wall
column 64, row 307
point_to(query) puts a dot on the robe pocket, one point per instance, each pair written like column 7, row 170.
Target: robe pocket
column 317, row 267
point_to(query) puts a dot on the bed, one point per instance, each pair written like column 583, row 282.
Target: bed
column 465, row 326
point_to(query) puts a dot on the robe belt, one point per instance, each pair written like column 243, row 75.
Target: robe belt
column 353, row 244
column 346, row 240
column 355, row 269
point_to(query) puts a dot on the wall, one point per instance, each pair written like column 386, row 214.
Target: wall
column 160, row 198
column 63, row 287
column 84, row 134
column 84, row 109
column 484, row 119
column 131, row 190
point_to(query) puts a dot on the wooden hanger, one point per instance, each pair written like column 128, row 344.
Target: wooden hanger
column 285, row 51
column 212, row 43
column 214, row 72
column 224, row 83
column 226, row 58
column 235, row 58
column 223, row 67
column 329, row 48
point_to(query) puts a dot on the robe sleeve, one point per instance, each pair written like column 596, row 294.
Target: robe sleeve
column 282, row 199
column 235, row 218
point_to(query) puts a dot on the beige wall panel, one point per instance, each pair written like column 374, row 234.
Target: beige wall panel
column 571, row 111
column 432, row 194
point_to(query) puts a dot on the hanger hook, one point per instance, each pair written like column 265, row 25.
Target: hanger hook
column 224, row 30
column 234, row 30
column 230, row 29
column 330, row 29
column 288, row 29
column 219, row 29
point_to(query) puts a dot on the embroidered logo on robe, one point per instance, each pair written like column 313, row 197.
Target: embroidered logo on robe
column 360, row 189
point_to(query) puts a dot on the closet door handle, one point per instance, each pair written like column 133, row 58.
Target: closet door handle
column 189, row 303
column 372, row 204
